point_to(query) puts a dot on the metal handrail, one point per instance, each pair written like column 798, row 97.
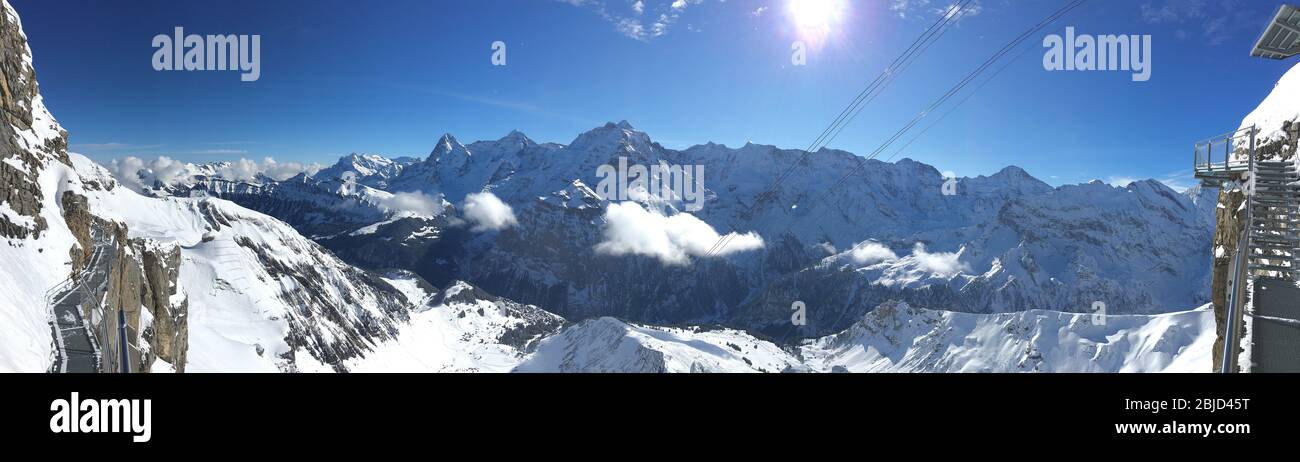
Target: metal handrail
column 59, row 352
column 1231, row 134
column 1240, row 271
column 1203, row 151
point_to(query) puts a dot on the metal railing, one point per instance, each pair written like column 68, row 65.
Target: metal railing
column 116, row 334
column 1222, row 154
column 58, row 353
column 1239, row 279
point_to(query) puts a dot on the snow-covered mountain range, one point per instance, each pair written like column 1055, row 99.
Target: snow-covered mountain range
column 1001, row 243
column 501, row 256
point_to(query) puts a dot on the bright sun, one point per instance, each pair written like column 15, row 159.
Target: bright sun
column 816, row 19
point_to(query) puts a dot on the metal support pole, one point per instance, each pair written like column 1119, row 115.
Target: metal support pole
column 121, row 341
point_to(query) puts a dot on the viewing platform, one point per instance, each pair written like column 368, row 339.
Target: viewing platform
column 1225, row 157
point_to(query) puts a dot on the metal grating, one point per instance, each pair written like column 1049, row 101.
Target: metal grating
column 1281, row 37
column 1277, row 326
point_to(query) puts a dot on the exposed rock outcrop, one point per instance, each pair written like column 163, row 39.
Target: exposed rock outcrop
column 76, row 213
column 168, row 336
column 137, row 276
column 142, row 283
column 1227, row 233
column 21, row 157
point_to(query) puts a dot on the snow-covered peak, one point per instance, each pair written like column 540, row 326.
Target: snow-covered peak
column 516, row 136
column 362, row 164
column 446, row 148
column 614, row 137
column 369, row 169
column 609, row 345
column 1282, row 105
column 1008, row 180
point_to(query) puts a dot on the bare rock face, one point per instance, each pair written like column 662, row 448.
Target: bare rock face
column 76, row 212
column 1227, row 233
column 168, row 335
column 1282, row 147
column 142, row 282
column 138, row 276
column 20, row 162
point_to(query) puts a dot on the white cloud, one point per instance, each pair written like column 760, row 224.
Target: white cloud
column 1173, row 11
column 871, row 252
column 915, row 8
column 1218, row 22
column 903, row 7
column 1120, row 181
column 627, row 18
column 759, row 11
column 941, row 263
column 138, row 174
column 631, row 229
column 488, row 213
column 413, row 202
column 956, row 14
column 247, row 169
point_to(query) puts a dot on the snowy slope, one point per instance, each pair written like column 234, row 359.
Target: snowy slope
column 262, row 297
column 461, row 329
column 1280, row 106
column 35, row 242
column 610, row 345
column 30, row 267
column 899, row 338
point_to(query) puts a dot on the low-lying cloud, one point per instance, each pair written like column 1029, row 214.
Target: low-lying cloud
column 871, row 252
column 486, row 212
column 247, row 170
column 139, row 174
column 412, row 202
column 631, row 229
column 940, row 263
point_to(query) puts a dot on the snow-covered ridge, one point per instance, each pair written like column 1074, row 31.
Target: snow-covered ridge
column 262, row 297
column 1282, row 105
column 898, row 338
column 1014, row 243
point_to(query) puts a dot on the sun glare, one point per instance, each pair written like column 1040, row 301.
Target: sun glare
column 816, row 19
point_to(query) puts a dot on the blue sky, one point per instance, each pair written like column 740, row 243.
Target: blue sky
column 390, row 77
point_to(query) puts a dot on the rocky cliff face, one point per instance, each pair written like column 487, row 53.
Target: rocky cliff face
column 1227, row 234
column 168, row 335
column 23, row 151
column 49, row 225
column 142, row 282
